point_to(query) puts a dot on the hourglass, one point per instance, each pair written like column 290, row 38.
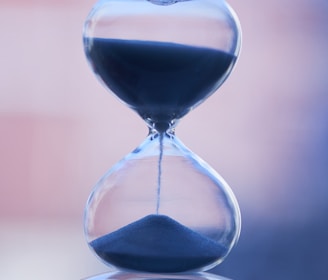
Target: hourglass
column 162, row 209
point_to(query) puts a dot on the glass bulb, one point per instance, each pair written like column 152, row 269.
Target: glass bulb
column 162, row 59
column 162, row 209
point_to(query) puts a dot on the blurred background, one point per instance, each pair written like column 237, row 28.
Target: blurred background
column 265, row 132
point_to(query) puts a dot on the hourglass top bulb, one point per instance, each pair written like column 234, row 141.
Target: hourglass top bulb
column 162, row 59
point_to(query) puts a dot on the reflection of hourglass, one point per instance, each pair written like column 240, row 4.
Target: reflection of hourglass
column 162, row 209
column 121, row 275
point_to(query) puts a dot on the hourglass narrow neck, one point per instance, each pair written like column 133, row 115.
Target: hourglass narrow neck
column 161, row 127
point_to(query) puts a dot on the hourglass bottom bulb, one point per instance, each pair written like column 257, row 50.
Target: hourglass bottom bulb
column 172, row 223
column 157, row 243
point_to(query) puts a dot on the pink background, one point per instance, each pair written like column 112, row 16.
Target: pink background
column 266, row 132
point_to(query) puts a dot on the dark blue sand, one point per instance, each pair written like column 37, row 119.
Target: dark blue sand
column 161, row 81
column 157, row 243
